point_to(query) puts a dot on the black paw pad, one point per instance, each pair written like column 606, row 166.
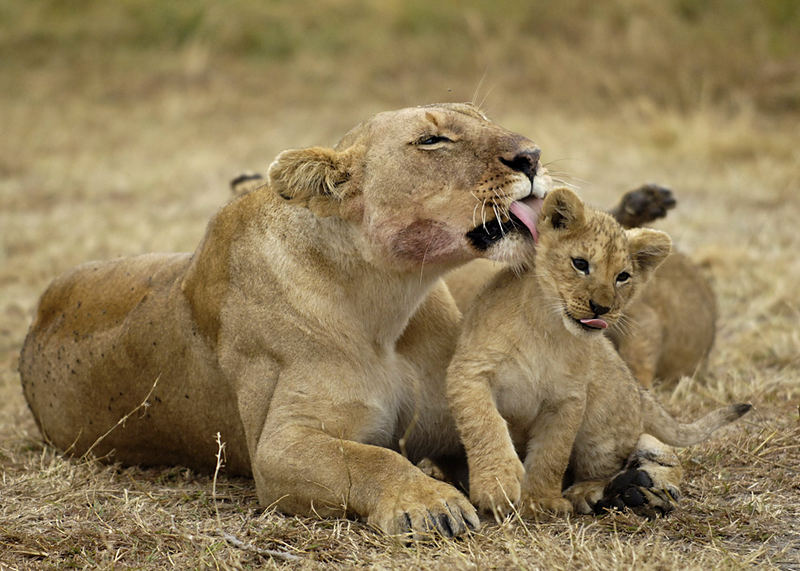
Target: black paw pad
column 627, row 479
column 634, row 489
column 632, row 497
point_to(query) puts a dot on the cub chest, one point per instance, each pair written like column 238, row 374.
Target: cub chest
column 525, row 385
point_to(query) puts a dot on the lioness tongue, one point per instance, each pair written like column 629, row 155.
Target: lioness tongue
column 596, row 323
column 527, row 211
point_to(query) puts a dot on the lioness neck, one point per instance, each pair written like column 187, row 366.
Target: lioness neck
column 333, row 278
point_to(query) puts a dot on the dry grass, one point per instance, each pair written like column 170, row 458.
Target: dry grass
column 122, row 125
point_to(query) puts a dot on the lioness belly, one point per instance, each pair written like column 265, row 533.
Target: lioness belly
column 110, row 343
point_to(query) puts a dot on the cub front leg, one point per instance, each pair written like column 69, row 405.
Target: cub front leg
column 495, row 471
column 552, row 435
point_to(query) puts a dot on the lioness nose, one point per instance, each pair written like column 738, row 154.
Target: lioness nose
column 526, row 162
column 598, row 309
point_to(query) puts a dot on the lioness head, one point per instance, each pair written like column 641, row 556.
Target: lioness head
column 589, row 265
column 433, row 185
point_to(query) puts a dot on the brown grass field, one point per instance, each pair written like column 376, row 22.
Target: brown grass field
column 122, row 123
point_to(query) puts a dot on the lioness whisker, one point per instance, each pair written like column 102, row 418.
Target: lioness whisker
column 477, row 204
column 497, row 215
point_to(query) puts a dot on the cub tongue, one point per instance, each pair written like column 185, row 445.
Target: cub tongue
column 527, row 211
column 596, row 323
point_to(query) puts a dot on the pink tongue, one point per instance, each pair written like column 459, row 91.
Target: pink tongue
column 528, row 212
column 596, row 323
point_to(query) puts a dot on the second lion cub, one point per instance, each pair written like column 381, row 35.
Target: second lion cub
column 534, row 378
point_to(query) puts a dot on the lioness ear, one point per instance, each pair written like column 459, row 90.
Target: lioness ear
column 303, row 176
column 562, row 209
column 648, row 248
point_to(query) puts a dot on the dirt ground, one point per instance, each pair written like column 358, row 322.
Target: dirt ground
column 123, row 122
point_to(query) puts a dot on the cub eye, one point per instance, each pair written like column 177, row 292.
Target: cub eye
column 622, row 277
column 432, row 140
column 581, row 265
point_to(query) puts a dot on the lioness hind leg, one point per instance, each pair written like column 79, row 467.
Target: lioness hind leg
column 648, row 484
column 645, row 204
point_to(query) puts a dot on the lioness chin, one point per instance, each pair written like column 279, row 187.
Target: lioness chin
column 309, row 327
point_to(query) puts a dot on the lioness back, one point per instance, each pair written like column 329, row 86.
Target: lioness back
column 94, row 325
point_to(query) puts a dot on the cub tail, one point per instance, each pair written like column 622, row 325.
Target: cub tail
column 659, row 423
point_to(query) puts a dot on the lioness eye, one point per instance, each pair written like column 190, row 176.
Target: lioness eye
column 581, row 265
column 432, row 140
column 622, row 277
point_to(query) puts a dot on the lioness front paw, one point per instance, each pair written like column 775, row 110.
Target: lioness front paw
column 498, row 489
column 648, row 484
column 424, row 508
column 645, row 204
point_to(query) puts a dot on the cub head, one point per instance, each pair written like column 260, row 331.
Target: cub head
column 588, row 266
column 428, row 186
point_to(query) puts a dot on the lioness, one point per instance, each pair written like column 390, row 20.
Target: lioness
column 533, row 377
column 309, row 328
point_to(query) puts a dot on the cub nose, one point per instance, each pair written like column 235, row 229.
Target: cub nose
column 526, row 162
column 598, row 309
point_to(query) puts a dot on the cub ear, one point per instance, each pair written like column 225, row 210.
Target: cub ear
column 648, row 248
column 563, row 210
column 312, row 177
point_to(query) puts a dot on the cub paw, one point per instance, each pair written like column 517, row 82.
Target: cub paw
column 423, row 509
column 432, row 469
column 584, row 495
column 498, row 489
column 648, row 484
column 557, row 505
column 643, row 205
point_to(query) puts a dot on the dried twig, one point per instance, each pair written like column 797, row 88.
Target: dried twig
column 236, row 542
column 122, row 420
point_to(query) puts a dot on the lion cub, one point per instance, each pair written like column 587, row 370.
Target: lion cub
column 534, row 378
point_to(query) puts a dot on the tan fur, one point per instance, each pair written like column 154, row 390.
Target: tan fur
column 669, row 330
column 309, row 328
column 528, row 381
column 665, row 333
